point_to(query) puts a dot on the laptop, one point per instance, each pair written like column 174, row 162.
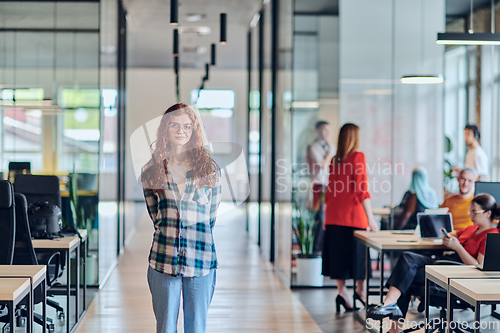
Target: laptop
column 491, row 254
column 430, row 225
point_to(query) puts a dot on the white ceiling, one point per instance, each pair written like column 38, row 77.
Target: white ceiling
column 149, row 33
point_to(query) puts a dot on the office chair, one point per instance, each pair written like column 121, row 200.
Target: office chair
column 7, row 223
column 24, row 254
column 18, row 168
column 39, row 188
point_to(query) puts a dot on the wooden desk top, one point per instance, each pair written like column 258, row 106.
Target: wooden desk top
column 446, row 272
column 34, row 272
column 58, row 243
column 478, row 289
column 385, row 211
column 385, row 233
column 11, row 288
column 379, row 241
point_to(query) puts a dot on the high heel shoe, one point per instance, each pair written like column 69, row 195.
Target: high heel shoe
column 341, row 301
column 357, row 297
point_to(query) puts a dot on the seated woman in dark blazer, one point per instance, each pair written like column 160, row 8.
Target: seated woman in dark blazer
column 417, row 199
column 409, row 272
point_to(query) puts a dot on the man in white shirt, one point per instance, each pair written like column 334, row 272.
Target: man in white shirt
column 476, row 156
column 319, row 155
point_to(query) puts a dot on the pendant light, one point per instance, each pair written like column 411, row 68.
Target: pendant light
column 212, row 55
column 176, row 65
column 422, row 78
column 174, row 12
column 471, row 38
column 223, row 28
column 176, row 43
column 207, row 68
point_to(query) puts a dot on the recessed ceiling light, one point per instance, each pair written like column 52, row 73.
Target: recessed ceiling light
column 201, row 50
column 422, row 79
column 194, row 17
column 200, row 30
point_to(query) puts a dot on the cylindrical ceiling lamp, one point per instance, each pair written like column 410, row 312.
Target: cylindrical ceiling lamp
column 207, row 68
column 176, row 65
column 212, row 55
column 174, row 12
column 176, row 42
column 223, row 28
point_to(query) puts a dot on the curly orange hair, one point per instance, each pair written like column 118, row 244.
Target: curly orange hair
column 203, row 166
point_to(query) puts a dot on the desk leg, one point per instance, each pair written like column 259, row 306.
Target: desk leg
column 12, row 316
column 367, row 279
column 68, row 289
column 84, row 255
column 381, row 276
column 43, row 290
column 427, row 303
column 449, row 310
column 29, row 308
column 477, row 317
column 77, row 285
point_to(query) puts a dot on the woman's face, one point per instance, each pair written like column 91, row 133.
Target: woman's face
column 180, row 130
column 478, row 215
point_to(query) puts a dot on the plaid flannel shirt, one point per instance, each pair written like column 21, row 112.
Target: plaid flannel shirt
column 183, row 242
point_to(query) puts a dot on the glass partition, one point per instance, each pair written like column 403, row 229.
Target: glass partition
column 52, row 112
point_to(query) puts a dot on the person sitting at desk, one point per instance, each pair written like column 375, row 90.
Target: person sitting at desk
column 409, row 273
column 458, row 204
column 417, row 199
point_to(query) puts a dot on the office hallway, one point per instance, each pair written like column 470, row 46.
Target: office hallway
column 249, row 296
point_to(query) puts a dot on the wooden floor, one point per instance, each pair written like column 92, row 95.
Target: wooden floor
column 249, row 296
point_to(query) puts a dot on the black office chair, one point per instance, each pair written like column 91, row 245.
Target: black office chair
column 39, row 188
column 18, row 168
column 24, row 254
column 7, row 223
column 42, row 188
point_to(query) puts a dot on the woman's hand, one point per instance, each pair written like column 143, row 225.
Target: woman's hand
column 372, row 225
column 452, row 243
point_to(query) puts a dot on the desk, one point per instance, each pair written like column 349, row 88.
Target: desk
column 12, row 292
column 383, row 241
column 67, row 245
column 475, row 292
column 385, row 211
column 443, row 274
column 37, row 276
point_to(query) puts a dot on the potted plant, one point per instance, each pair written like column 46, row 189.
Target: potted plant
column 309, row 264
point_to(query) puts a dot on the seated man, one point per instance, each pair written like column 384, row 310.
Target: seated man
column 459, row 203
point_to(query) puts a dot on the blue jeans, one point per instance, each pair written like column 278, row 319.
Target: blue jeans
column 197, row 295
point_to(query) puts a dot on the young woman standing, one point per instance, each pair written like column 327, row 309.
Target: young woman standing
column 183, row 191
column 347, row 209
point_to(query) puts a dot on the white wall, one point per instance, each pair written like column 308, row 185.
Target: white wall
column 151, row 91
column 405, row 127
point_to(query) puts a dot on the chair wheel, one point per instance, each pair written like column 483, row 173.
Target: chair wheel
column 60, row 315
column 51, row 327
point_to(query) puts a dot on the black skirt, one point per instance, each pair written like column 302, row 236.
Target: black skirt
column 339, row 250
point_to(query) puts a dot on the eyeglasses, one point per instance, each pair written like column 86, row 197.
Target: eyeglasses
column 185, row 128
column 474, row 212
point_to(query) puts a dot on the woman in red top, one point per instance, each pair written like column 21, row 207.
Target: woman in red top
column 347, row 209
column 409, row 272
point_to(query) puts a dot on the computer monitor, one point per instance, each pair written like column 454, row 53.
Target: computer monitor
column 431, row 224
column 492, row 188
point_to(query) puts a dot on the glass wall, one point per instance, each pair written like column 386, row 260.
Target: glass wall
column 59, row 105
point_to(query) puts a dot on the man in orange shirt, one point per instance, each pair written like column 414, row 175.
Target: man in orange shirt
column 458, row 204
